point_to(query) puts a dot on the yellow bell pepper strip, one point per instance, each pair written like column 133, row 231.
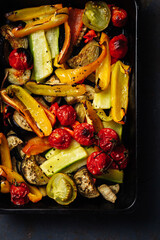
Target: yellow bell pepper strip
column 50, row 115
column 119, row 91
column 57, row 90
column 64, row 50
column 71, row 76
column 103, row 72
column 29, row 108
column 91, row 116
column 31, row 13
column 4, row 152
column 57, row 65
column 12, row 176
column 59, row 17
column 103, row 116
column 36, row 146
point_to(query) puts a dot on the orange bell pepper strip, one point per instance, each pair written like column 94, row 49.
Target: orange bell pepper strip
column 64, row 50
column 36, row 145
column 71, row 76
column 119, row 91
column 12, row 176
column 103, row 72
column 91, row 116
column 31, row 13
column 4, row 152
column 4, row 186
column 59, row 17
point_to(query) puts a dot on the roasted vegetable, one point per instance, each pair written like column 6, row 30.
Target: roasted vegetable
column 5, row 152
column 72, row 76
column 62, row 189
column 32, row 172
column 85, row 183
column 96, row 15
column 58, row 90
column 13, row 140
column 107, row 193
column 18, row 77
column 20, row 122
column 28, row 106
column 119, row 91
column 50, row 21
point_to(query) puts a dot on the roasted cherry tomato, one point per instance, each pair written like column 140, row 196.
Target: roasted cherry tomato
column 60, row 138
column 119, row 17
column 120, row 157
column 53, row 109
column 96, row 15
column 19, row 193
column 118, row 46
column 108, row 139
column 20, row 59
column 84, row 134
column 98, row 162
column 66, row 115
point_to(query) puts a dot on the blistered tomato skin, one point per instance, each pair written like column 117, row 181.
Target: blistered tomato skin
column 20, row 59
column 108, row 139
column 97, row 162
column 119, row 17
column 19, row 193
column 66, row 115
column 60, row 138
column 120, row 157
column 84, row 134
column 118, row 46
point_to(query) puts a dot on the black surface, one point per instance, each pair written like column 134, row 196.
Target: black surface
column 144, row 222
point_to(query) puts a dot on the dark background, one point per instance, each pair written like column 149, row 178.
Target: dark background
column 144, row 221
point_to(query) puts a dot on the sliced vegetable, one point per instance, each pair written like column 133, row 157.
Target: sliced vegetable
column 62, row 160
column 112, row 175
column 18, row 77
column 52, row 36
column 60, row 16
column 58, row 90
column 85, row 183
column 104, row 69
column 30, row 13
column 103, row 116
column 41, row 56
column 66, row 44
column 4, row 186
column 36, row 145
column 32, row 172
column 107, row 193
column 102, row 100
column 5, row 152
column 72, row 76
column 119, row 91
column 29, row 108
column 96, row 15
column 89, row 36
column 62, row 189
column 92, row 116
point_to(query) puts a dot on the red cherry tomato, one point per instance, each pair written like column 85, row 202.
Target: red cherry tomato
column 20, row 59
column 119, row 17
column 97, row 162
column 19, row 193
column 60, row 138
column 108, row 139
column 118, row 46
column 84, row 134
column 66, row 115
column 120, row 157
column 53, row 109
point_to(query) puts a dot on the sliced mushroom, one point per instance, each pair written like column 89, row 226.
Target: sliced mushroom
column 6, row 31
column 85, row 183
column 89, row 95
column 87, row 55
column 32, row 172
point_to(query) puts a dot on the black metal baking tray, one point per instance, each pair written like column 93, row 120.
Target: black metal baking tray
column 128, row 193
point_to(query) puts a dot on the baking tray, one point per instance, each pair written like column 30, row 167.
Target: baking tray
column 128, row 193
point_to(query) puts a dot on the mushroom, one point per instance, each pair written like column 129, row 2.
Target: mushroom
column 85, row 183
column 109, row 192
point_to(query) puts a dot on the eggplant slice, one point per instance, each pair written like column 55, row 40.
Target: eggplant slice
column 32, row 172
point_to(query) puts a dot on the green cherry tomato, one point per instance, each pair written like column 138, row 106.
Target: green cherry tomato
column 96, row 15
